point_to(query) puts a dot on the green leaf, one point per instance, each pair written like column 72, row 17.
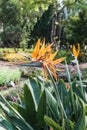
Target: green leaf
column 85, row 105
column 5, row 109
column 36, row 90
column 77, row 90
column 53, row 105
column 52, row 123
column 30, row 104
column 69, row 125
column 17, row 121
column 62, row 90
column 41, row 109
column 5, row 124
column 80, row 125
column 59, row 103
column 20, row 109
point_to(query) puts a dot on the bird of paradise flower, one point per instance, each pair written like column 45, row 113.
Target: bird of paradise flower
column 75, row 51
column 43, row 56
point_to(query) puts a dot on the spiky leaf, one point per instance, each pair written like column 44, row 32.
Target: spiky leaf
column 80, row 125
column 41, row 109
column 30, row 103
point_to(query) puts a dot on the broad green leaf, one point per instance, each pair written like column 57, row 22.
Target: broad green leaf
column 77, row 90
column 5, row 124
column 20, row 109
column 18, row 123
column 30, row 103
column 36, row 90
column 53, row 105
column 67, row 106
column 5, row 109
column 77, row 105
column 80, row 125
column 14, row 119
column 52, row 123
column 62, row 90
column 41, row 109
column 56, row 92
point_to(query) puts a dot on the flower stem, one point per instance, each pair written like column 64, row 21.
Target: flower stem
column 79, row 74
column 70, row 83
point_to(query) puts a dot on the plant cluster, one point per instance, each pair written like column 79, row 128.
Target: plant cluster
column 47, row 104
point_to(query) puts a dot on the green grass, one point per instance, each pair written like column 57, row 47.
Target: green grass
column 7, row 75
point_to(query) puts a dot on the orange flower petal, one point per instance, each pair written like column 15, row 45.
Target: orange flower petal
column 76, row 52
column 52, row 56
column 58, row 60
column 47, row 50
column 78, row 49
column 44, row 72
column 42, row 50
column 53, row 70
column 43, row 46
column 48, row 47
column 48, row 55
column 55, row 75
column 45, row 56
column 36, row 49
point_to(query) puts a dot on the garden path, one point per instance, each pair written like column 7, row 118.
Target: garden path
column 5, row 63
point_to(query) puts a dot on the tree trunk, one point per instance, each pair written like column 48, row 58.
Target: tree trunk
column 53, row 30
column 57, row 29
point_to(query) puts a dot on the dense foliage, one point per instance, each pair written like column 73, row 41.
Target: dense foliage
column 75, row 23
column 17, row 20
column 10, row 20
column 43, row 26
column 65, row 24
column 23, row 21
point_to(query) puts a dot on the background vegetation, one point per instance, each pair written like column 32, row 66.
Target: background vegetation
column 61, row 22
column 8, row 75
